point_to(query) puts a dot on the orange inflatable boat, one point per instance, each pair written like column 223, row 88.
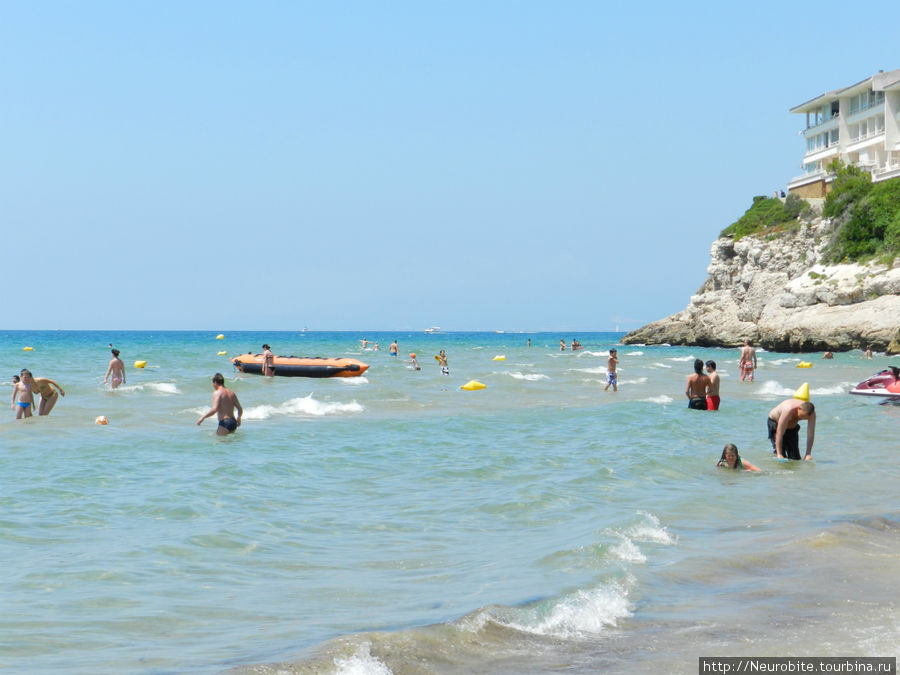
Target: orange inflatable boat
column 301, row 366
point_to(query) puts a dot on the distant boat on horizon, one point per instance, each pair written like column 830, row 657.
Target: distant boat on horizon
column 434, row 329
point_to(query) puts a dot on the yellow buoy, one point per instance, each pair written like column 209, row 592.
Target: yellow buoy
column 101, row 419
column 802, row 393
column 140, row 364
column 220, row 337
column 221, row 353
column 500, row 357
column 473, row 385
column 27, row 349
column 804, row 364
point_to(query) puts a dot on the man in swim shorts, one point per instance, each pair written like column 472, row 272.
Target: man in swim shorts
column 611, row 378
column 393, row 350
column 697, row 386
column 784, row 428
column 116, row 369
column 442, row 362
column 224, row 404
column 712, row 393
column 747, row 363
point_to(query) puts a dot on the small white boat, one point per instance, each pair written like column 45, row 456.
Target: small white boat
column 434, row 329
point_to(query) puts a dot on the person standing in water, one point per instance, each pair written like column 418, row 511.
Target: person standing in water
column 116, row 370
column 611, row 378
column 747, row 363
column 23, row 396
column 712, row 393
column 224, row 403
column 45, row 387
column 442, row 362
column 697, row 386
column 394, row 350
column 268, row 365
column 784, row 428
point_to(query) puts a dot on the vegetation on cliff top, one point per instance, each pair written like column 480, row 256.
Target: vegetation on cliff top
column 867, row 213
column 767, row 214
column 867, row 216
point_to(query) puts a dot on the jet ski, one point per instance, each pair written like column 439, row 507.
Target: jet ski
column 885, row 384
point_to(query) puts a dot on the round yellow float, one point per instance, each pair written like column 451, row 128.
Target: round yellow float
column 473, row 385
column 140, row 364
column 804, row 364
column 500, row 357
column 27, row 349
column 220, row 337
column 221, row 353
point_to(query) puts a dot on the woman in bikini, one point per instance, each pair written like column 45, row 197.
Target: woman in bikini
column 45, row 387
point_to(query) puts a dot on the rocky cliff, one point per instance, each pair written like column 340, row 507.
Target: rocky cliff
column 774, row 291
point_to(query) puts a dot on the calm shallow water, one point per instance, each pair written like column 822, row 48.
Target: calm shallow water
column 394, row 523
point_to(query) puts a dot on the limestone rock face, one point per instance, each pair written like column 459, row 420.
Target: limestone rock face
column 777, row 292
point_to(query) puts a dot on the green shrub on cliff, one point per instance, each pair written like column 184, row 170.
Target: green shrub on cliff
column 872, row 212
column 850, row 185
column 765, row 213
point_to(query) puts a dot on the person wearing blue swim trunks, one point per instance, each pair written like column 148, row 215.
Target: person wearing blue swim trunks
column 224, row 403
column 23, row 396
column 611, row 378
column 393, row 350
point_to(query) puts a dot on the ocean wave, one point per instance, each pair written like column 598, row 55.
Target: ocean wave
column 305, row 405
column 649, row 529
column 781, row 362
column 639, row 380
column 589, row 353
column 154, row 387
column 634, row 353
column 662, row 399
column 842, row 388
column 354, row 381
column 584, row 612
column 682, row 358
column 361, row 663
column 529, row 377
column 628, row 551
column 774, row 388
column 660, row 365
column 590, row 371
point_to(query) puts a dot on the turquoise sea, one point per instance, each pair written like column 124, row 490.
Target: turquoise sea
column 394, row 523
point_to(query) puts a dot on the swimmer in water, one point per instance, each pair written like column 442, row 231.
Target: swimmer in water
column 731, row 459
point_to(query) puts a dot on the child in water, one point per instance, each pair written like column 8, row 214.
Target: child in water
column 730, row 459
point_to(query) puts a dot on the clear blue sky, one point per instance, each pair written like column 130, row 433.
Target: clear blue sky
column 368, row 166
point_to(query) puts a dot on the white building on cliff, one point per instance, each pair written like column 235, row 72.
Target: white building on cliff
column 859, row 124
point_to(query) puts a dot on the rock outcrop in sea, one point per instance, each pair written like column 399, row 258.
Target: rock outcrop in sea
column 776, row 291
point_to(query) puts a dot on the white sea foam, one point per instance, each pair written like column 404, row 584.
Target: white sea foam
column 781, row 362
column 305, row 405
column 353, row 381
column 584, row 612
column 660, row 365
column 773, row 388
column 649, row 529
column 628, row 551
column 842, row 388
column 639, row 380
column 588, row 353
column 662, row 399
column 361, row 663
column 591, row 371
column 634, row 353
column 529, row 377
column 154, row 387
column 682, row 358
